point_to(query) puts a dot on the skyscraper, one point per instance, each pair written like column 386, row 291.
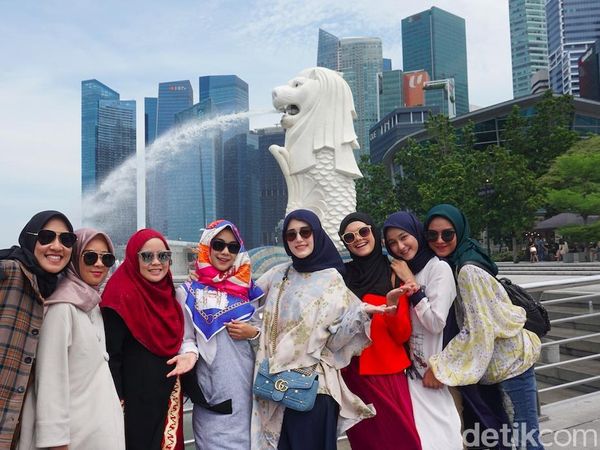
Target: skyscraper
column 108, row 138
column 589, row 73
column 435, row 41
column 573, row 26
column 360, row 60
column 528, row 42
column 173, row 97
column 390, row 91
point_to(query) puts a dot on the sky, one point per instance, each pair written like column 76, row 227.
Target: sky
column 48, row 47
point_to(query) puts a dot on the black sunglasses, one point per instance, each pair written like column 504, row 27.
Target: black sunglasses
column 350, row 236
column 218, row 245
column 447, row 235
column 163, row 256
column 45, row 237
column 90, row 257
column 304, row 232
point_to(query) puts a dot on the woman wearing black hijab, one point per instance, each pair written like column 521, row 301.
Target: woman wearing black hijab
column 28, row 274
column 377, row 375
column 310, row 320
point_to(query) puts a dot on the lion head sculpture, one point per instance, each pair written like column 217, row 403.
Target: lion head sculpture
column 318, row 112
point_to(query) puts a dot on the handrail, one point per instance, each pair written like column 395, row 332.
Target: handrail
column 564, row 363
column 574, row 318
column 539, row 286
column 570, row 299
column 571, row 383
column 572, row 339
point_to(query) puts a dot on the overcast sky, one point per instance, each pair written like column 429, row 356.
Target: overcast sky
column 48, row 47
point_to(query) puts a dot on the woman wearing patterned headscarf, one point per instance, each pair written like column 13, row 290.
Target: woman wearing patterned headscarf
column 377, row 375
column 492, row 345
column 29, row 273
column 144, row 331
column 217, row 307
column 436, row 416
column 319, row 323
column 74, row 402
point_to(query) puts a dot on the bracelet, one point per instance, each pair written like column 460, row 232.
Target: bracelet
column 255, row 337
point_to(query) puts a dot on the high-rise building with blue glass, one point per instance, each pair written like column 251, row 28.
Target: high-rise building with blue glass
column 360, row 60
column 573, row 26
column 150, row 110
column 528, row 42
column 435, row 41
column 390, row 91
column 108, row 138
column 173, row 97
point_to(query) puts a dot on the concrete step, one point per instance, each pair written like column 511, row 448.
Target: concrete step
column 567, row 310
column 582, row 347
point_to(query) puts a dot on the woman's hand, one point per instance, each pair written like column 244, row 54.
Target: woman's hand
column 241, row 330
column 183, row 363
column 402, row 270
column 381, row 309
column 392, row 297
column 430, row 381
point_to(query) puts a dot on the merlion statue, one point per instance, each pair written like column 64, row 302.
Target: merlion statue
column 318, row 160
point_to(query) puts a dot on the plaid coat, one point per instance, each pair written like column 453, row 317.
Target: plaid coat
column 21, row 313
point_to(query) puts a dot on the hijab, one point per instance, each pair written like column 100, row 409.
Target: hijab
column 371, row 273
column 72, row 289
column 324, row 254
column 408, row 222
column 467, row 249
column 237, row 280
column 150, row 310
column 24, row 252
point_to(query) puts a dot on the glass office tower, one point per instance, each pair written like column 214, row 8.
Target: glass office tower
column 573, row 27
column 435, row 41
column 528, row 42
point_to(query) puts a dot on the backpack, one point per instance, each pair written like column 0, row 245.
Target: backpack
column 537, row 317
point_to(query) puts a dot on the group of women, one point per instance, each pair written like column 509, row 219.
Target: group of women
column 402, row 362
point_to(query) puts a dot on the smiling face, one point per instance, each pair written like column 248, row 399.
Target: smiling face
column 401, row 243
column 360, row 246
column 223, row 260
column 441, row 248
column 155, row 271
column 96, row 273
column 53, row 257
column 300, row 247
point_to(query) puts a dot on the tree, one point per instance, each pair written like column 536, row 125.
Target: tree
column 573, row 181
column 375, row 192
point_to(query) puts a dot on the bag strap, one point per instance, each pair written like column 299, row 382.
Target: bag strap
column 274, row 331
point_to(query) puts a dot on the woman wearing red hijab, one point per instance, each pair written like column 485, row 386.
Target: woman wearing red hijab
column 144, row 331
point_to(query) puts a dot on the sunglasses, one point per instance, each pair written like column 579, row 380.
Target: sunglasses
column 218, row 245
column 45, row 237
column 90, row 257
column 304, row 232
column 447, row 235
column 349, row 237
column 163, row 256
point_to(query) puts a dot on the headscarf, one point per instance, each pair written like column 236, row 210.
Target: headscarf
column 324, row 254
column 371, row 273
column 24, row 252
column 149, row 309
column 413, row 226
column 217, row 298
column 467, row 249
column 72, row 289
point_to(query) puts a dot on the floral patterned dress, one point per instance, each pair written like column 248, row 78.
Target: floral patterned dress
column 320, row 322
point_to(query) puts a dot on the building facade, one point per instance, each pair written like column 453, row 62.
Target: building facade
column 108, row 139
column 150, row 111
column 440, row 94
column 589, row 73
column 389, row 89
column 528, row 42
column 573, row 27
column 435, row 41
column 360, row 60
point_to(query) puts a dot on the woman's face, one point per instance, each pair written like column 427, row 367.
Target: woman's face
column 299, row 246
column 223, row 260
column 155, row 270
column 401, row 243
column 94, row 274
column 360, row 245
column 439, row 246
column 53, row 257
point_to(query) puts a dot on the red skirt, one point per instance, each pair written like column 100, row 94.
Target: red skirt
column 393, row 427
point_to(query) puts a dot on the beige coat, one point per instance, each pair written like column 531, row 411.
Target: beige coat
column 74, row 401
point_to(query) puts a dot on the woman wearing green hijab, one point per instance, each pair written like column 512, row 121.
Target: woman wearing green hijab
column 492, row 346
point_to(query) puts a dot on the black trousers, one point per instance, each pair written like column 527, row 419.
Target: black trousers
column 311, row 430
